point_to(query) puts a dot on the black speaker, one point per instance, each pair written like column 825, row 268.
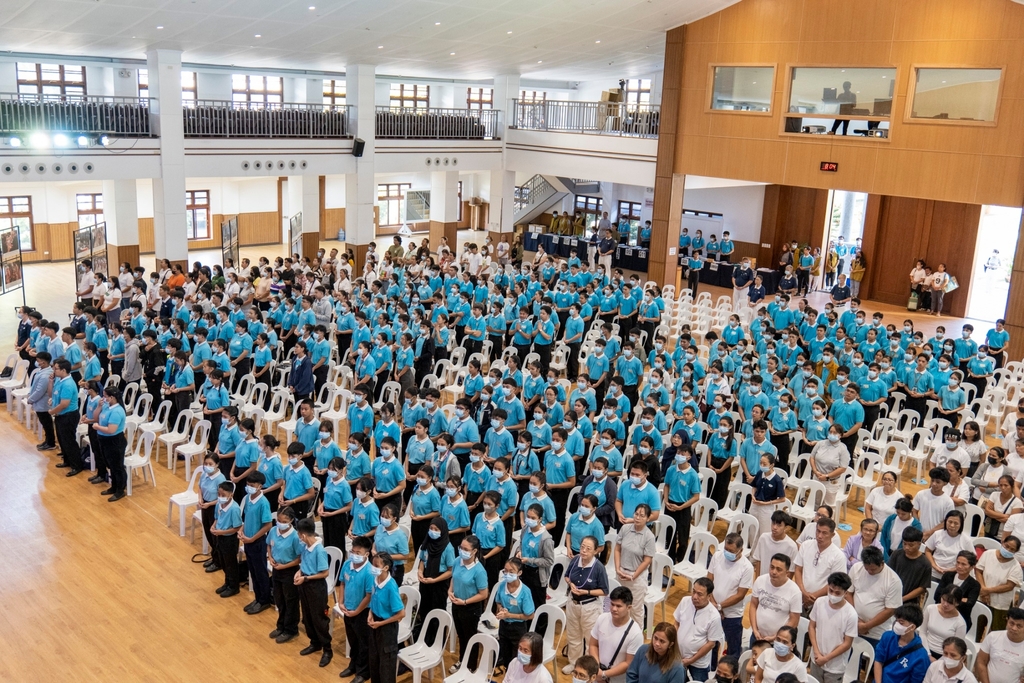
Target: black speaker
column 357, row 147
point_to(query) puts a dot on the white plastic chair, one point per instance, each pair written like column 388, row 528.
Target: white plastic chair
column 184, row 500
column 335, row 558
column 159, row 422
column 700, row 546
column 815, row 492
column 17, row 381
column 861, row 650
column 485, row 664
column 141, row 412
column 423, row 656
column 747, row 526
column 657, row 588
column 865, row 471
column 411, row 596
column 979, row 631
column 556, row 622
column 176, row 436
column 705, row 512
column 195, row 448
column 737, row 502
column 665, row 531
column 141, row 459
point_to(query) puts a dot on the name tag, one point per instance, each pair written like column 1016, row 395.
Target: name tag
column 362, row 516
column 512, row 602
column 385, row 470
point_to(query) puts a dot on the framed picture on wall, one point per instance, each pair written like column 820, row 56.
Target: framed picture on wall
column 99, row 263
column 83, row 244
column 99, row 236
column 12, row 275
column 10, row 244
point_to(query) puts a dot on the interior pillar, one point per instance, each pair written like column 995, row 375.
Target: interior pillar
column 1014, row 315
column 360, row 187
column 121, row 213
column 444, row 208
column 170, row 240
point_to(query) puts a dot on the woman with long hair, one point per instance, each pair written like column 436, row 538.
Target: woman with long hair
column 658, row 661
column 112, row 442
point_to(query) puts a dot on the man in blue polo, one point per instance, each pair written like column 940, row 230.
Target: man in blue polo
column 848, row 414
column 634, row 491
column 64, row 409
column 742, row 278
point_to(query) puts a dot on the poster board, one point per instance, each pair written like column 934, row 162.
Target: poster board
column 90, row 243
column 295, row 233
column 12, row 269
column 229, row 241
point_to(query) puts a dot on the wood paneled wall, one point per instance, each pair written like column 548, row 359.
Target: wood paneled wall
column 898, row 231
column 955, row 163
column 263, row 227
column 790, row 213
column 333, row 221
column 52, row 242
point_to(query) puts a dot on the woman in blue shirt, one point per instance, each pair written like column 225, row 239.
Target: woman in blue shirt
column 392, row 540
column 336, row 505
column 386, row 611
column 112, row 443
column 490, row 531
column 723, row 449
column 425, row 505
column 468, row 594
column 436, row 560
column 454, row 510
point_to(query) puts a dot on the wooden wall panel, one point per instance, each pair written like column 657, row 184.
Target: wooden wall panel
column 263, row 227
column 60, row 241
column 963, row 164
column 41, row 239
column 790, row 214
column 146, row 243
column 334, row 220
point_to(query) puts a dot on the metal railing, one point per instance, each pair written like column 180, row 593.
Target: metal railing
column 124, row 116
column 600, row 118
column 226, row 119
column 438, row 124
column 536, row 188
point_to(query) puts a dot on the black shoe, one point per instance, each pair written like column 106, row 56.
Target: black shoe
column 358, row 679
column 45, row 447
column 285, row 637
column 107, row 492
column 222, row 588
column 250, row 605
column 260, row 608
column 275, row 633
column 97, row 480
column 229, row 593
column 116, row 497
column 309, row 649
column 208, row 563
column 73, row 472
column 212, row 568
column 62, row 465
column 347, row 671
column 326, row 658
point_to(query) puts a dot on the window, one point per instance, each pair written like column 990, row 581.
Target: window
column 256, row 89
column 51, row 79
column 334, row 93
column 197, row 214
column 90, row 209
column 533, row 96
column 391, row 203
column 956, row 95
column 846, row 92
column 742, row 88
column 630, row 212
column 143, row 82
column 410, row 96
column 479, row 98
column 188, row 85
column 638, row 92
column 16, row 212
column 591, row 208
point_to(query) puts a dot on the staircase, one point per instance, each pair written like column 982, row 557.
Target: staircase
column 534, row 197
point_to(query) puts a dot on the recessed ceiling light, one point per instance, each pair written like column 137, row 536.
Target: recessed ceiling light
column 159, row 28
column 509, row 32
column 451, row 54
column 380, row 47
column 597, row 41
column 312, row 7
column 258, row 35
column 540, row 61
column 437, row 23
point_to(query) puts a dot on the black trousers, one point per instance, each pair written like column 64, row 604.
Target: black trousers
column 226, row 550
column 320, row 378
column 242, row 368
column 383, row 653
column 112, row 449
column 208, row 514
column 67, row 436
column 509, row 635
column 256, row 561
column 677, row 546
column 572, row 364
column 358, row 634
column 467, row 622
column 783, row 445
column 560, row 499
column 313, row 603
column 544, row 351
column 335, row 529
column 46, row 421
column 286, row 597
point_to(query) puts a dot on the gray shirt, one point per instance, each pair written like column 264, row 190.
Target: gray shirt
column 634, row 547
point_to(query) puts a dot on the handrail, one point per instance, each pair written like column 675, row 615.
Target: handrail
column 437, row 123
column 227, row 119
column 600, row 118
column 98, row 114
column 523, row 194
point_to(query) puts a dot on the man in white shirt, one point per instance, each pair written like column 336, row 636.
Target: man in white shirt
column 774, row 542
column 616, row 638
column 832, row 630
column 733, row 576
column 699, row 628
column 816, row 560
column 876, row 593
column 1001, row 654
column 823, row 512
column 776, row 602
column 951, row 450
column 932, row 504
column 86, row 282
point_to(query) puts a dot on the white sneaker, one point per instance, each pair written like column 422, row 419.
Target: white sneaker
column 567, row 669
column 453, row 668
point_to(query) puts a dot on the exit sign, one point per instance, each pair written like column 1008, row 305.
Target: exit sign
column 830, row 166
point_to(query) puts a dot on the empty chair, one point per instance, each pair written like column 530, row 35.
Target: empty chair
column 737, row 502
column 862, row 659
column 815, row 496
column 700, row 547
column 140, row 414
column 178, row 435
column 141, row 459
column 194, row 448
column 411, row 598
column 159, row 422
column 184, row 500
column 488, row 646
column 747, row 526
column 422, row 655
column 657, row 590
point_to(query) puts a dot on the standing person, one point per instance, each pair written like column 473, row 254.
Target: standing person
column 227, row 523
column 816, row 560
column 64, row 409
column 256, row 522
column 1001, row 654
column 781, row 659
column 514, row 610
column 588, row 584
column 733, row 576
column 312, row 582
column 918, row 278
column 776, row 601
column 112, row 443
column 877, row 593
column 694, row 265
column 616, row 637
column 658, row 662
column 634, row 552
column 386, row 611
column 684, row 489
column 942, row 621
column 468, row 594
column 437, row 558
column 999, row 574
column 913, row 568
column 742, row 279
column 963, row 578
column 699, row 629
column 900, row 655
column 832, row 630
column 830, row 459
column 605, row 250
column 284, row 549
column 858, row 268
column 39, row 399
column 938, row 282
column 352, row 595
column 537, row 553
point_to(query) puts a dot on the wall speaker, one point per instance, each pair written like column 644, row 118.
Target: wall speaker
column 258, row 165
column 24, row 168
column 280, row 165
column 40, row 168
column 270, row 165
column 303, row 164
column 292, row 165
column 357, row 147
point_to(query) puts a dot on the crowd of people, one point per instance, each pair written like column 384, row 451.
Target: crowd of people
column 642, row 413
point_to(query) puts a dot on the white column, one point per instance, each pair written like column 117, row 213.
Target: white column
column 8, row 76
column 503, row 185
column 294, row 89
column 506, row 89
column 314, row 90
column 360, row 187
column 444, row 196
column 213, row 86
column 170, row 240
column 121, row 212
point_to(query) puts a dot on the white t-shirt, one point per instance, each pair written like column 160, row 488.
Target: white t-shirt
column 937, row 674
column 932, row 509
column 997, row 573
column 771, row 667
column 608, row 637
column 767, row 547
column 775, row 605
column 695, row 628
column 896, row 534
column 944, row 549
column 831, row 627
column 729, row 577
column 1005, row 658
column 817, row 567
column 942, row 455
column 515, row 674
column 882, row 506
column 936, row 628
column 995, row 498
column 1014, row 526
column 808, row 535
column 873, row 593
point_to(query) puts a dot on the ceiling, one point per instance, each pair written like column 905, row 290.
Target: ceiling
column 542, row 39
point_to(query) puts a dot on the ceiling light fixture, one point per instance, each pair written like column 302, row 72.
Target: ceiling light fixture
column 258, row 35
column 540, row 61
column 39, row 140
column 159, row 28
column 437, row 23
column 452, row 54
column 312, row 7
column 509, row 33
column 597, row 41
column 83, row 141
column 14, row 142
column 380, row 47
column 61, row 140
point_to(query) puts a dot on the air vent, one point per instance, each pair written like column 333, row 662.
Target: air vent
column 245, row 165
column 8, row 169
column 88, row 167
column 73, row 167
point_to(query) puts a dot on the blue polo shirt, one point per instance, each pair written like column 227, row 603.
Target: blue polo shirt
column 468, row 581
column 632, row 496
column 115, row 416
column 519, row 601
column 365, row 516
column 549, row 507
column 313, row 559
column 227, row 518
column 682, row 486
column 387, row 475
column 579, row 529
column 208, row 485
column 751, row 454
column 358, row 583
column 392, row 542
column 491, row 532
column 456, row 515
column 65, row 389
column 297, row 481
column 386, row 601
column 559, row 468
column 254, row 514
column 360, row 419
column 284, row 548
column 846, row 414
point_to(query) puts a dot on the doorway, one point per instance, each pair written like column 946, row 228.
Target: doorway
column 844, row 229
column 993, row 262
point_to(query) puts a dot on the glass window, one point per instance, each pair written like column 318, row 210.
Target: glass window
column 843, row 92
column 743, row 88
column 188, row 87
column 334, row 93
column 257, row 89
column 408, row 96
column 479, row 98
column 197, row 214
column 17, row 212
column 591, row 208
column 391, row 203
column 90, row 209
column 956, row 94
column 637, row 92
column 50, row 79
column 533, row 96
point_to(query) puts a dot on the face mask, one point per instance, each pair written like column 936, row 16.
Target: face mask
column 635, row 481
column 781, row 649
column 376, row 571
column 872, row 374
column 524, row 658
column 899, row 629
column 465, row 554
column 556, row 445
column 644, row 450
column 833, row 438
column 965, row 334
column 451, row 492
column 441, row 448
column 646, row 422
column 209, row 469
column 908, row 357
column 293, row 461
column 1005, row 553
column 810, row 391
column 251, row 489
column 223, row 500
column 729, row 555
column 724, row 429
column 836, row 599
column 532, row 523
column 534, row 489
column 598, row 474
column 434, row 534
column 950, row 663
column 361, row 495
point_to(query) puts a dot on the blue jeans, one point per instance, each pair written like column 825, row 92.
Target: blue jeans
column 733, row 628
column 698, row 674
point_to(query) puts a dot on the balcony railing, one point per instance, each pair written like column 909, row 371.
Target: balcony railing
column 532, row 189
column 437, row 124
column 226, row 119
column 599, row 118
column 123, row 116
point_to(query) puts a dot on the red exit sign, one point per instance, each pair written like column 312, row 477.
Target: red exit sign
column 830, row 166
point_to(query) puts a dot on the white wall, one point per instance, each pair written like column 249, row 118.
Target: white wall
column 742, row 207
column 334, row 192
